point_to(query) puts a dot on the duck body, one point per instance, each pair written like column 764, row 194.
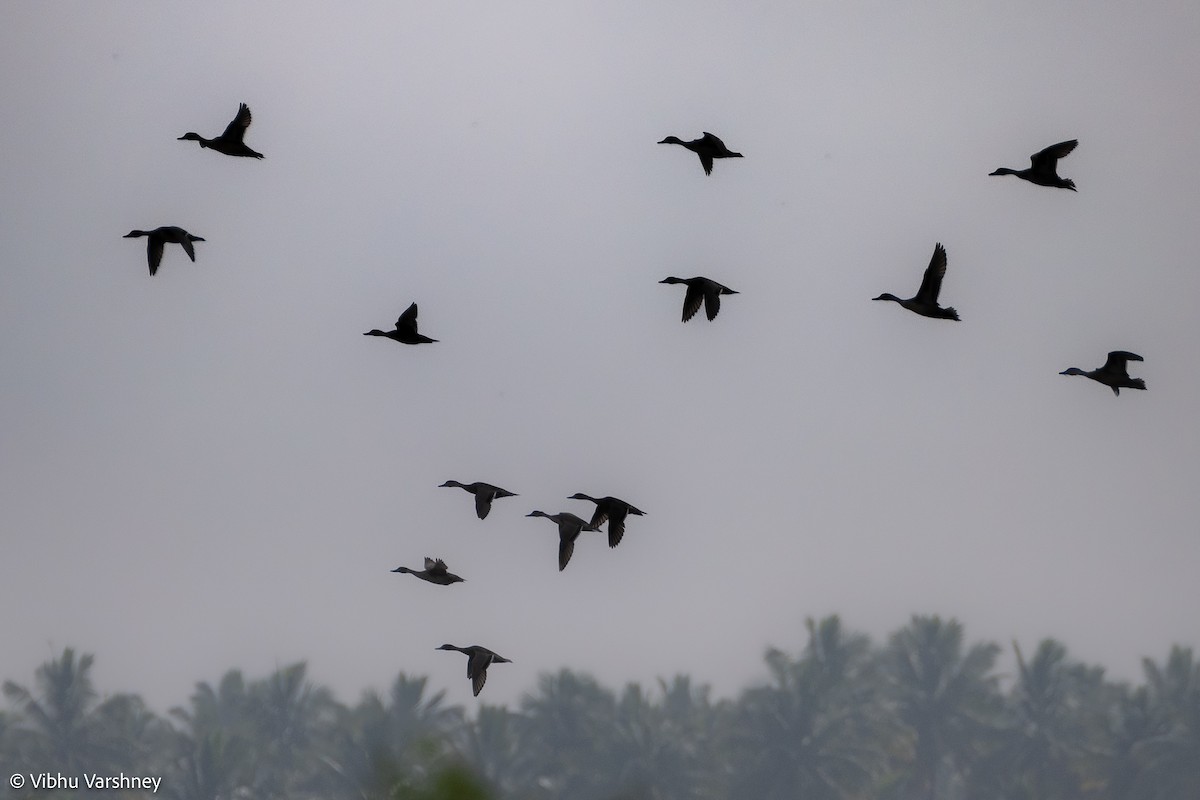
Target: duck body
column 569, row 528
column 700, row 291
column 613, row 510
column 230, row 142
column 1043, row 167
column 1115, row 372
column 478, row 660
column 435, row 572
column 406, row 329
column 708, row 147
column 484, row 493
column 157, row 239
column 925, row 302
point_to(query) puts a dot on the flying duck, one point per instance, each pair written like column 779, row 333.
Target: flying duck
column 484, row 493
column 707, row 147
column 569, row 528
column 925, row 302
column 613, row 510
column 1043, row 167
column 230, row 142
column 435, row 572
column 478, row 660
column 1114, row 374
column 406, row 329
column 157, row 238
column 701, row 290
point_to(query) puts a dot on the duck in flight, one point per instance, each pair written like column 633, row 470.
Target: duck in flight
column 614, row 511
column 569, row 528
column 157, row 238
column 435, row 572
column 925, row 302
column 1043, row 167
column 478, row 660
column 484, row 493
column 707, row 147
column 406, row 329
column 230, row 142
column 1114, row 374
column 701, row 290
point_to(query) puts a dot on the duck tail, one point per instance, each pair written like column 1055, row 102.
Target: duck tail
column 952, row 314
column 1136, row 383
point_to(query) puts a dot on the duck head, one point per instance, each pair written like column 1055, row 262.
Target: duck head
column 887, row 296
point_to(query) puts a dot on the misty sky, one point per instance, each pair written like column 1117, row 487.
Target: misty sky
column 213, row 468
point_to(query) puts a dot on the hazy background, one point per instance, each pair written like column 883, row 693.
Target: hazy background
column 213, row 468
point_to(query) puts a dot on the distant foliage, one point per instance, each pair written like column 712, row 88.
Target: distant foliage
column 924, row 716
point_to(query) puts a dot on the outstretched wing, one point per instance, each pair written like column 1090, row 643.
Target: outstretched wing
column 931, row 284
column 236, row 129
column 1117, row 360
column 1050, row 156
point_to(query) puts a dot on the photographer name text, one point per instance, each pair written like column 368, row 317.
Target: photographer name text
column 88, row 780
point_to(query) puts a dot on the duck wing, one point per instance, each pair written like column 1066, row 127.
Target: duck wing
column 1048, row 158
column 435, row 566
column 931, row 284
column 477, row 665
column 566, row 546
column 616, row 526
column 712, row 300
column 154, row 251
column 408, row 320
column 1116, row 363
column 188, row 248
column 693, row 299
column 236, row 129
column 483, row 502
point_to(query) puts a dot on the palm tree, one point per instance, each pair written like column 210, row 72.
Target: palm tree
column 567, row 727
column 811, row 732
column 945, row 696
column 375, row 745
column 1170, row 758
column 57, row 726
column 290, row 716
column 490, row 744
column 213, row 752
column 1049, row 737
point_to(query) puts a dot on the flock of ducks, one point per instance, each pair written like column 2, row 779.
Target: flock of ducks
column 1042, row 171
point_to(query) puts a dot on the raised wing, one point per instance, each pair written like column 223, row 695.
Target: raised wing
column 236, row 129
column 408, row 320
column 1049, row 157
column 931, row 284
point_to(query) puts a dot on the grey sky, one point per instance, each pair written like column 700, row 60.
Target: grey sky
column 214, row 468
